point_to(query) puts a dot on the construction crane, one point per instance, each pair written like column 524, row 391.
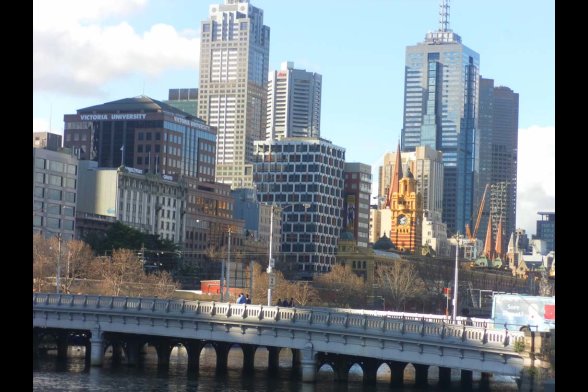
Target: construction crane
column 469, row 233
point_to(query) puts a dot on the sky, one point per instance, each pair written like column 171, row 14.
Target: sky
column 89, row 52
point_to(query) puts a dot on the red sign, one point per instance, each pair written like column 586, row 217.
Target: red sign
column 282, row 74
column 549, row 312
column 447, row 291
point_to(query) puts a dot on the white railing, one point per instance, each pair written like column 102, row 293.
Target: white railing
column 362, row 323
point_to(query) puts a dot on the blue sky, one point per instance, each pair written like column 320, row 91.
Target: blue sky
column 89, row 52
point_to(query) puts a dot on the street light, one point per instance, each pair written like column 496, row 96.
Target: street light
column 271, row 263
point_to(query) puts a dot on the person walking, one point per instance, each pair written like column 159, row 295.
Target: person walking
column 241, row 299
column 247, row 299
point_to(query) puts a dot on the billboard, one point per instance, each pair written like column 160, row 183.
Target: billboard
column 518, row 311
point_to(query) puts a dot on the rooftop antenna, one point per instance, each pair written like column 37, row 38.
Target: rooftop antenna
column 444, row 15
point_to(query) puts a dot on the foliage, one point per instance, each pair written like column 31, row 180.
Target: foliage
column 399, row 282
column 341, row 287
column 519, row 346
column 155, row 251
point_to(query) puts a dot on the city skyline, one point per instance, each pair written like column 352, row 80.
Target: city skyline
column 94, row 52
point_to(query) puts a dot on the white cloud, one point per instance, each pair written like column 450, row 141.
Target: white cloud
column 536, row 175
column 76, row 52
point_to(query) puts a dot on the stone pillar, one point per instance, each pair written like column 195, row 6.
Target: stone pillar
column 341, row 368
column 117, row 352
column 194, row 348
column 132, row 352
column 397, row 372
column 36, row 340
column 61, row 341
column 163, row 349
column 370, row 370
column 466, row 379
column 273, row 360
column 308, row 363
column 295, row 358
column 444, row 377
column 97, row 349
column 248, row 356
column 222, row 355
column 421, row 374
column 484, row 381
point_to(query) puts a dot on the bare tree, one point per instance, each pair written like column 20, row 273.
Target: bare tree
column 43, row 268
column 341, row 287
column 399, row 281
column 305, row 294
column 77, row 258
column 160, row 284
column 122, row 268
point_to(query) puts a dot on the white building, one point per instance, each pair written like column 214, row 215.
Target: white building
column 293, row 103
column 151, row 203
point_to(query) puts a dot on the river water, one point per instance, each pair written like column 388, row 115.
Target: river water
column 49, row 374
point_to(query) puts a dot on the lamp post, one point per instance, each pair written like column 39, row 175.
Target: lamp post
column 455, row 279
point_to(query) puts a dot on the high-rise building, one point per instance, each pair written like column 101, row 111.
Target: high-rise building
column 498, row 129
column 546, row 230
column 55, row 185
column 356, row 201
column 303, row 176
column 185, row 99
column 293, row 103
column 143, row 133
column 234, row 56
column 440, row 98
column 48, row 140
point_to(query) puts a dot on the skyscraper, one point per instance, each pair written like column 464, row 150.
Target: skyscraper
column 293, row 103
column 440, row 98
column 498, row 130
column 234, row 55
column 356, row 203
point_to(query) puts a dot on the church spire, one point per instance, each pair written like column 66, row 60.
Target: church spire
column 498, row 250
column 488, row 244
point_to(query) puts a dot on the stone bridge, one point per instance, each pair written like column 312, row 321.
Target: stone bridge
column 316, row 336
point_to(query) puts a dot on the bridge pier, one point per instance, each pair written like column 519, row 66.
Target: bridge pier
column 421, row 373
column 117, row 352
column 466, row 379
column 194, row 348
column 97, row 349
column 248, row 356
column 370, row 370
column 341, row 368
column 273, row 360
column 222, row 355
column 308, row 363
column 444, row 377
column 295, row 358
column 164, row 349
column 132, row 352
column 397, row 373
column 36, row 340
column 484, row 381
column 61, row 340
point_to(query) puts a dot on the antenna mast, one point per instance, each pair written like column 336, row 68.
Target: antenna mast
column 444, row 15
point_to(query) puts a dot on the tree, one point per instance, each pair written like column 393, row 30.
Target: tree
column 341, row 287
column 77, row 257
column 399, row 282
column 161, row 284
column 305, row 294
column 43, row 267
column 118, row 271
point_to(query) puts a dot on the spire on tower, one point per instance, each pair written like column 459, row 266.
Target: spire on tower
column 489, row 243
column 498, row 245
column 444, row 15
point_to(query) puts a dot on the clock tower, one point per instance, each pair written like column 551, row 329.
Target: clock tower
column 405, row 204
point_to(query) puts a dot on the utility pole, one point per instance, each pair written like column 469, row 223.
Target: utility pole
column 58, row 274
column 455, row 278
column 270, row 268
column 229, row 268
